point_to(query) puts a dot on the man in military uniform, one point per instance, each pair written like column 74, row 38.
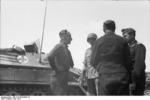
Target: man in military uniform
column 89, row 72
column 138, row 52
column 61, row 61
column 111, row 58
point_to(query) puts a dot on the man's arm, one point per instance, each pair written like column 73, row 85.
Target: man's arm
column 95, row 56
column 71, row 60
column 139, row 63
column 51, row 56
column 128, row 62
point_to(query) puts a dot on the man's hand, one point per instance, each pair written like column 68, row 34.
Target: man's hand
column 81, row 80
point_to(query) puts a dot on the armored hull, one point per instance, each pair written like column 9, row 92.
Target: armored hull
column 23, row 74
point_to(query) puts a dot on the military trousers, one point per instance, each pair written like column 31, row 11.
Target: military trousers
column 140, row 86
column 113, row 84
column 59, row 84
column 91, row 86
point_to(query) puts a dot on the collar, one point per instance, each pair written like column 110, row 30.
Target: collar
column 63, row 44
column 109, row 33
column 133, row 43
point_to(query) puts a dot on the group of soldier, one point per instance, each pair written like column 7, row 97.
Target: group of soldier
column 113, row 65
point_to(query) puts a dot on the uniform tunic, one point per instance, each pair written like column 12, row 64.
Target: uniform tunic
column 60, row 60
column 138, row 52
column 111, row 57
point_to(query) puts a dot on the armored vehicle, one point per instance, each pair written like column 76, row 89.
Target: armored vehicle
column 21, row 73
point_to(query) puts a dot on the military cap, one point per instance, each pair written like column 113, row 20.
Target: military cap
column 92, row 35
column 129, row 31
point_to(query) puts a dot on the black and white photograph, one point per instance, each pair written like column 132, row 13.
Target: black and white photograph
column 74, row 48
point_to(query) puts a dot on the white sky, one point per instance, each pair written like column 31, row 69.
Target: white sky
column 22, row 20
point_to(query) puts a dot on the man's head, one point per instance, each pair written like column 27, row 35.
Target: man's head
column 109, row 25
column 65, row 36
column 129, row 34
column 91, row 38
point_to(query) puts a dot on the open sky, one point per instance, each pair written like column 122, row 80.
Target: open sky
column 22, row 22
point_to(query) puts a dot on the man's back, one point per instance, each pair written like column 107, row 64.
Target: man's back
column 110, row 54
column 111, row 57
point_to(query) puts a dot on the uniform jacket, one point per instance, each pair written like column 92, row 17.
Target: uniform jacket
column 60, row 58
column 111, row 55
column 138, row 52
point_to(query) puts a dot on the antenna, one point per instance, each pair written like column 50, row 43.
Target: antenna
column 43, row 30
column 0, row 21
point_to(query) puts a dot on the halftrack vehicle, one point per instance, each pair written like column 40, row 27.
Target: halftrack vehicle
column 21, row 73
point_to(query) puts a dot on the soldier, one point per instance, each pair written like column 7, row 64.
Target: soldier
column 61, row 61
column 138, row 52
column 111, row 58
column 89, row 72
